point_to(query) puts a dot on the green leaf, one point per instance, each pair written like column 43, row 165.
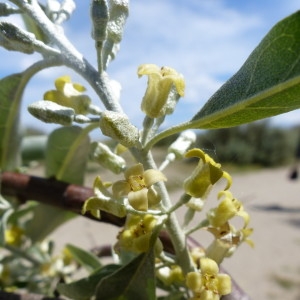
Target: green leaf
column 11, row 90
column 84, row 289
column 267, row 84
column 86, row 259
column 66, row 157
column 45, row 220
column 67, row 153
column 136, row 280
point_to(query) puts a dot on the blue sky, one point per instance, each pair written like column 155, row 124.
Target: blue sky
column 205, row 40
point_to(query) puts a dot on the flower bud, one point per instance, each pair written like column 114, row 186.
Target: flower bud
column 50, row 112
column 16, row 39
column 67, row 7
column 118, row 127
column 119, row 10
column 195, row 204
column 59, row 12
column 182, row 143
column 100, row 17
column 52, row 8
column 109, row 160
column 6, row 9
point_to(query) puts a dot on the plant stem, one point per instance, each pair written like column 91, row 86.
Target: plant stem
column 100, row 82
column 166, row 133
column 69, row 54
column 176, row 233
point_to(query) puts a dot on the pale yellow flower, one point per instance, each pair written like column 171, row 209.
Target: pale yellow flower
column 136, row 235
column 137, row 186
column 230, row 237
column 160, row 82
column 227, row 209
column 103, row 201
column 14, row 235
column 69, row 94
column 205, row 175
column 207, row 283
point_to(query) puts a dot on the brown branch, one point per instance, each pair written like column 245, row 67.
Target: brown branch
column 71, row 197
column 52, row 192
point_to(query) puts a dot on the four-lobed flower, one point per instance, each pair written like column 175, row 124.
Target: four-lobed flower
column 136, row 235
column 138, row 187
column 207, row 283
column 228, row 208
column 227, row 239
column 70, row 95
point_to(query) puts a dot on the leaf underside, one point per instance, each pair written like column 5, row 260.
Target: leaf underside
column 267, row 84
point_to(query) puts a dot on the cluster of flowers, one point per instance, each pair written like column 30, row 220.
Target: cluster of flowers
column 136, row 196
column 37, row 265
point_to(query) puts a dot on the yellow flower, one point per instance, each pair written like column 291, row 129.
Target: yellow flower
column 136, row 235
column 69, row 94
column 205, row 175
column 227, row 209
column 103, row 201
column 227, row 239
column 208, row 284
column 14, row 235
column 138, row 187
column 160, row 82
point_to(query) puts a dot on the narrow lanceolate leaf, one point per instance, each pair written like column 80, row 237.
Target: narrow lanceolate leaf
column 11, row 90
column 135, row 280
column 85, row 288
column 267, row 84
column 85, row 258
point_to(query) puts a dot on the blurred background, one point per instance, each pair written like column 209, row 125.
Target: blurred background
column 207, row 41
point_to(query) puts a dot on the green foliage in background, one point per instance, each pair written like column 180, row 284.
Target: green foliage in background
column 256, row 143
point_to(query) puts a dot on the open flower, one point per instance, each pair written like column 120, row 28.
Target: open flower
column 208, row 284
column 227, row 209
column 69, row 94
column 205, row 175
column 160, row 82
column 102, row 201
column 14, row 235
column 227, row 240
column 138, row 187
column 136, row 235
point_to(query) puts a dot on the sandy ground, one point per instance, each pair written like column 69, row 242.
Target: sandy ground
column 269, row 271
